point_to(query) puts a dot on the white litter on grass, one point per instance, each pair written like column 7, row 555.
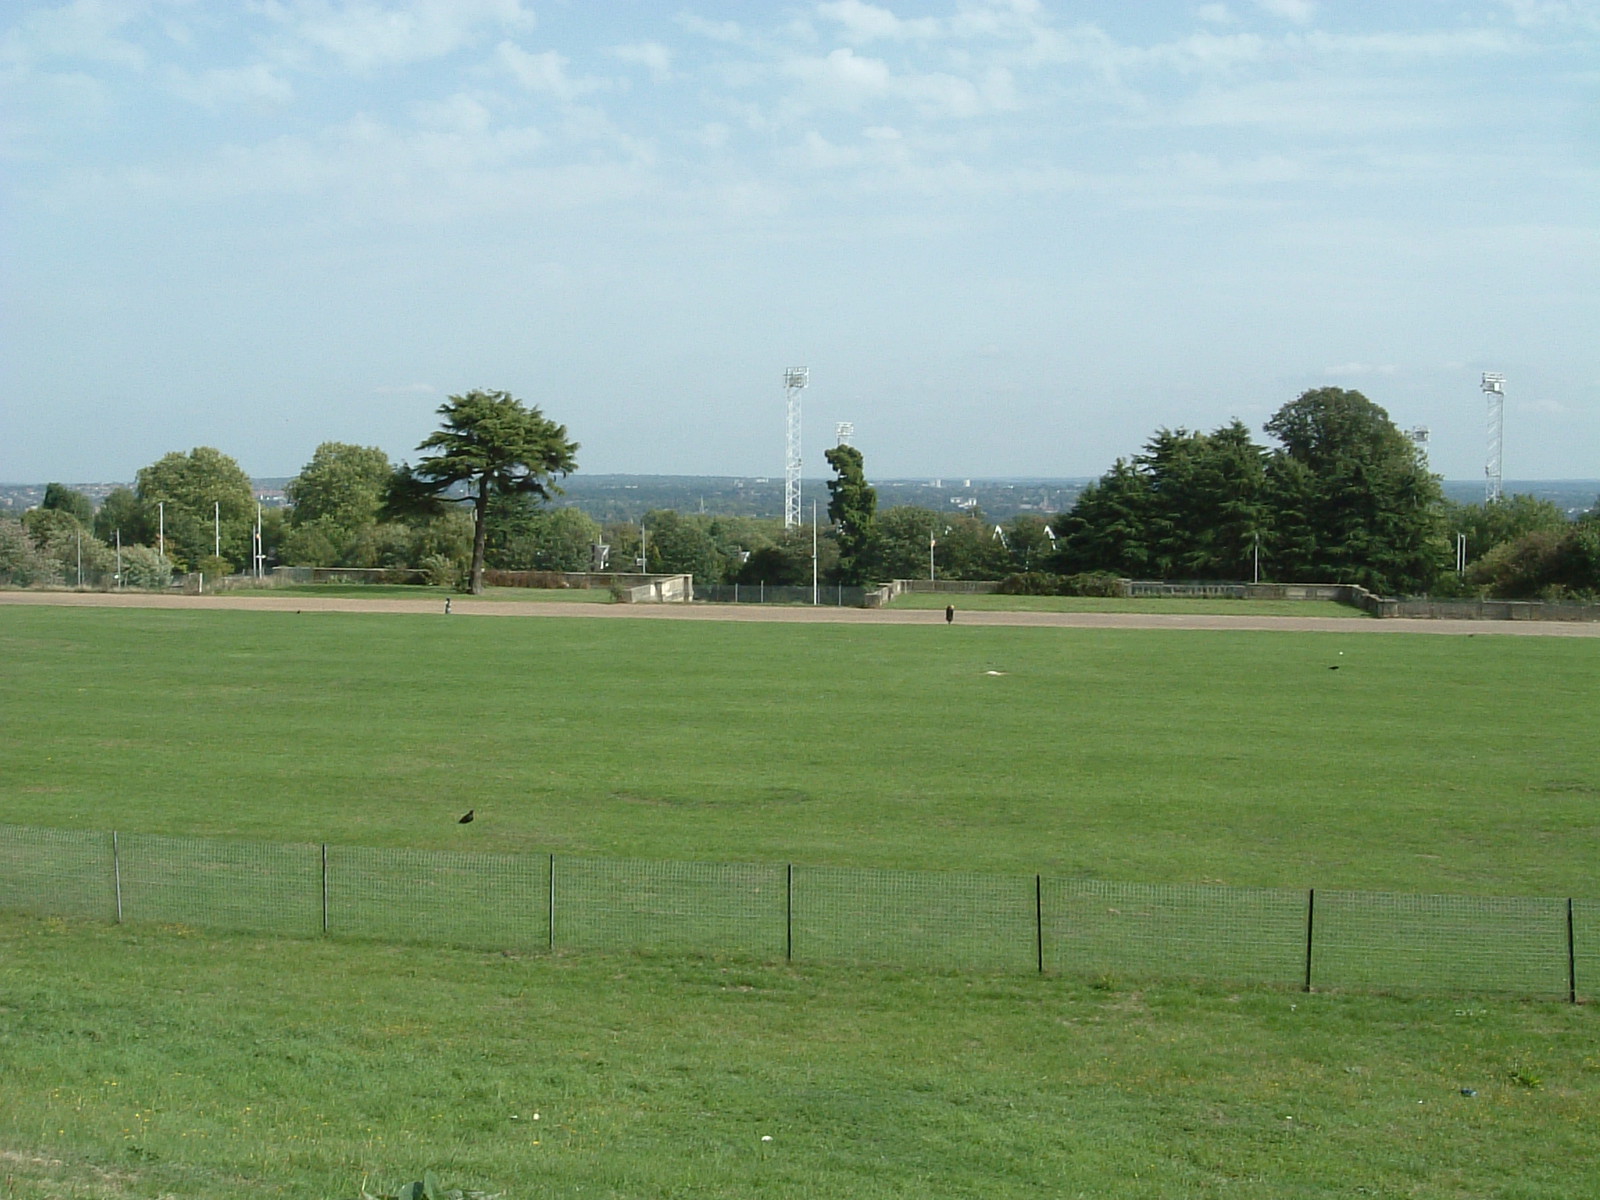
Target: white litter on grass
column 994, row 672
column 766, row 1137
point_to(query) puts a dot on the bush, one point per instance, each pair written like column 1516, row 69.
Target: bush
column 443, row 571
column 143, row 567
column 1031, row 583
column 1093, row 583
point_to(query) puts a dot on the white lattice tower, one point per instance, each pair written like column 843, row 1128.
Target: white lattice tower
column 1494, row 386
column 843, row 433
column 794, row 382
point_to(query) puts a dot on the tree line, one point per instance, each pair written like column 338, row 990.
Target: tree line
column 1344, row 496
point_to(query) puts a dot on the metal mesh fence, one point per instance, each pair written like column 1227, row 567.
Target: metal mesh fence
column 57, row 872
column 642, row 905
column 440, row 896
column 1440, row 943
column 1095, row 927
column 1355, row 940
column 915, row 917
column 1586, row 946
column 259, row 887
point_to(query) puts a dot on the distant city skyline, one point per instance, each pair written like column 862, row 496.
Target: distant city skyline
column 1009, row 238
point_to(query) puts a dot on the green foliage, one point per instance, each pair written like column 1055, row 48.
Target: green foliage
column 337, row 497
column 22, row 564
column 215, row 568
column 143, row 567
column 493, row 445
column 1561, row 564
column 1352, row 500
column 1106, row 529
column 426, row 1188
column 853, row 510
column 546, row 539
column 195, row 488
column 1042, row 583
column 59, row 497
column 122, row 512
column 681, row 545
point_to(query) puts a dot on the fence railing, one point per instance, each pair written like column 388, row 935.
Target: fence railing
column 777, row 912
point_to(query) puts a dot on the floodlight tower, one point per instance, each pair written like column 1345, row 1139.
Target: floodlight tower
column 843, row 433
column 1419, row 435
column 1494, row 386
column 794, row 382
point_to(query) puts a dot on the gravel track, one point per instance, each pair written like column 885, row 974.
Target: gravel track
column 466, row 606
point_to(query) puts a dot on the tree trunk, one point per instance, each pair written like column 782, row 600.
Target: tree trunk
column 480, row 536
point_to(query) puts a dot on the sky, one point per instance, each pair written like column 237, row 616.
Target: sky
column 1007, row 237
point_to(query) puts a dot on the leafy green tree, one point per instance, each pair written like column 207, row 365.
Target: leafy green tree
column 786, row 561
column 143, row 567
column 1353, row 500
column 122, row 511
column 336, row 497
column 681, row 545
column 904, row 532
column 1495, row 522
column 21, row 563
column 852, row 507
column 195, row 488
column 542, row 539
column 1106, row 529
column 58, row 497
column 59, row 535
column 491, row 444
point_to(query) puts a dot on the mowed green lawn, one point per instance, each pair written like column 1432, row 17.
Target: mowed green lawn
column 1170, row 605
column 1423, row 763
column 166, row 1063
column 149, row 1061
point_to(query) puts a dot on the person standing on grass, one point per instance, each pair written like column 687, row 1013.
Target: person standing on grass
column 949, row 614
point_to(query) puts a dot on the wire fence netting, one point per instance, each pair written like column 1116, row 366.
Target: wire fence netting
column 255, row 887
column 1100, row 928
column 1440, row 943
column 940, row 920
column 57, row 872
column 634, row 904
column 924, row 918
column 447, row 897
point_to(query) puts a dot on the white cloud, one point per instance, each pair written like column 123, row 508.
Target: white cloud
column 716, row 31
column 364, row 34
column 868, row 22
column 83, row 29
column 652, row 56
column 221, row 86
column 1216, row 14
column 545, row 71
column 1301, row 12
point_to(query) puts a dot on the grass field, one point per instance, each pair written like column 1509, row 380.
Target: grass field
column 1422, row 764
column 159, row 1061
column 413, row 591
column 1198, row 606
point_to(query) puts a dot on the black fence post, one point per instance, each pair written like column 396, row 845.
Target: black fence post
column 788, row 912
column 1311, row 921
column 550, row 932
column 1038, row 920
column 1572, row 958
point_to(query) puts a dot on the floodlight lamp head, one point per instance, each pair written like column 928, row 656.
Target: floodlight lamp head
column 796, row 377
column 1494, row 382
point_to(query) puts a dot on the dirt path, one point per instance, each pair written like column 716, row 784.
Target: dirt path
column 468, row 607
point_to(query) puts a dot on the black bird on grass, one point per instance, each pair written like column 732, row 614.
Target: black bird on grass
column 467, row 819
